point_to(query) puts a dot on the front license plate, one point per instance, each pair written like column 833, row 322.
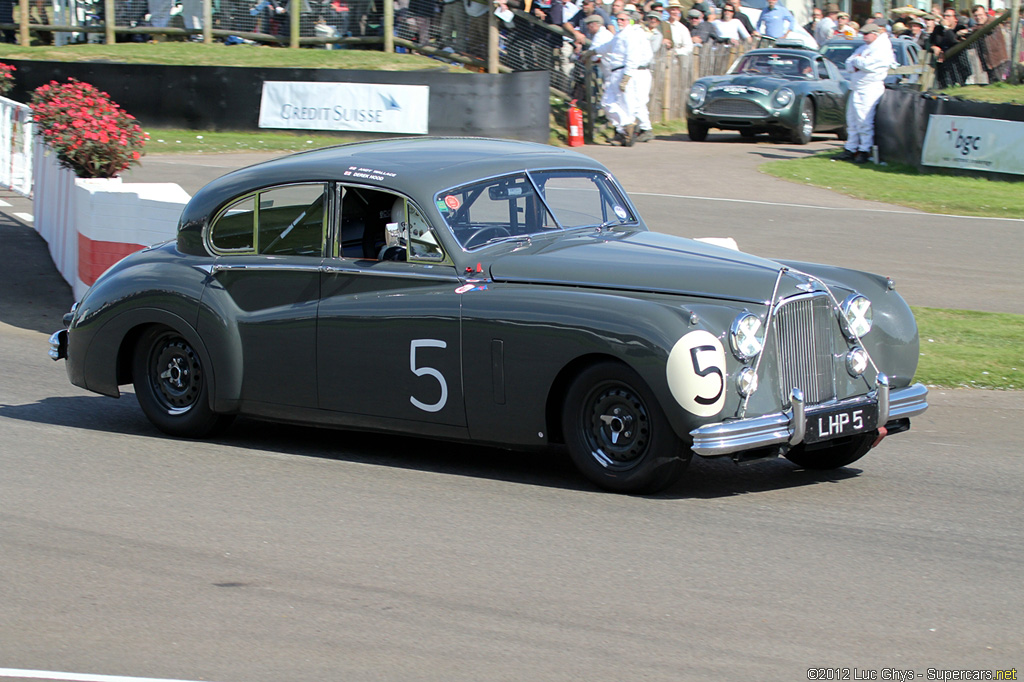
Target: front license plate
column 836, row 422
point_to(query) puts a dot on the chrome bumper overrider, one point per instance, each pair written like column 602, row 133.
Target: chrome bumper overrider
column 725, row 438
column 59, row 344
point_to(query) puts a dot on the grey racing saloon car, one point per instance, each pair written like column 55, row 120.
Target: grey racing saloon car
column 787, row 92
column 496, row 292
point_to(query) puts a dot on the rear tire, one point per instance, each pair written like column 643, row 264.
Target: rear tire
column 698, row 132
column 841, row 134
column 617, row 434
column 172, row 386
column 832, row 456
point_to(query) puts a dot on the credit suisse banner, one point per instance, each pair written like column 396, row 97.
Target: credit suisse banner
column 977, row 143
column 364, row 107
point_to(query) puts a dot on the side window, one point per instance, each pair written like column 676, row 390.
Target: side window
column 235, row 229
column 422, row 241
column 280, row 221
column 365, row 215
column 822, row 69
column 291, row 220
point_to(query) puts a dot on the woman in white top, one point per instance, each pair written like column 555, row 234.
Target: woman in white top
column 730, row 28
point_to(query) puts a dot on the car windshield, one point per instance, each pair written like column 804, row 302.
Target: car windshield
column 766, row 64
column 530, row 203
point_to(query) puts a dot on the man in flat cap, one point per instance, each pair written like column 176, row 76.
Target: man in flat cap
column 827, row 26
column 867, row 68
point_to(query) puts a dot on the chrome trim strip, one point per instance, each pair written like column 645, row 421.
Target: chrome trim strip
column 444, row 276
column 220, row 267
column 725, row 438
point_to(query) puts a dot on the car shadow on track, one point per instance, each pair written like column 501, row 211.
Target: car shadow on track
column 705, row 479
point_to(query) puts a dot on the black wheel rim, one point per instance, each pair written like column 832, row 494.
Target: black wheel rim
column 175, row 374
column 616, row 426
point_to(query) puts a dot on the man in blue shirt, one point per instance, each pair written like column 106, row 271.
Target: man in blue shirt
column 776, row 21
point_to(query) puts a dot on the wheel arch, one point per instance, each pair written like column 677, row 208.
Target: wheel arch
column 560, row 388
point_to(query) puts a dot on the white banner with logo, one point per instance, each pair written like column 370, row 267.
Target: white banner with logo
column 977, row 143
column 366, row 107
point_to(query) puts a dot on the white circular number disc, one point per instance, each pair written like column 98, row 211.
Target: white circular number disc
column 696, row 373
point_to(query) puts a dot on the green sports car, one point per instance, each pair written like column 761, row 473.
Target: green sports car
column 788, row 92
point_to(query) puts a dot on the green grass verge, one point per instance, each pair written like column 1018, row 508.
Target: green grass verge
column 198, row 54
column 963, row 348
column 1000, row 93
column 904, row 185
column 177, row 141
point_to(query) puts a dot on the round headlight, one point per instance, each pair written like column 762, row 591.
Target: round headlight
column 856, row 361
column 697, row 94
column 746, row 381
column 856, row 316
column 746, row 336
column 782, row 98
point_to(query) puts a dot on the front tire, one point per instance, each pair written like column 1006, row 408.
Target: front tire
column 172, row 386
column 805, row 123
column 698, row 132
column 617, row 434
column 832, row 456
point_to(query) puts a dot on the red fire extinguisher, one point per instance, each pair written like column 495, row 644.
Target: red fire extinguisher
column 575, row 125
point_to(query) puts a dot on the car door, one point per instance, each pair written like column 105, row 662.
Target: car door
column 389, row 322
column 832, row 110
column 265, row 288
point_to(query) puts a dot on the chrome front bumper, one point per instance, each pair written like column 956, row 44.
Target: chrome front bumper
column 725, row 438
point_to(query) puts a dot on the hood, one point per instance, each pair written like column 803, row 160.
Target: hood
column 649, row 262
column 764, row 85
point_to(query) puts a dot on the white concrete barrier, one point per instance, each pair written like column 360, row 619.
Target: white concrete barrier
column 15, row 146
column 90, row 224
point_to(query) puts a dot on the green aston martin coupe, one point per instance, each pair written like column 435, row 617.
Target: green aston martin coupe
column 787, row 92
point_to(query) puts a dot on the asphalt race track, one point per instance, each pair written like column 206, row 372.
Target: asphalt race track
column 279, row 553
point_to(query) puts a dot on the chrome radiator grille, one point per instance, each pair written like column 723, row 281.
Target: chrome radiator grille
column 803, row 331
column 736, row 107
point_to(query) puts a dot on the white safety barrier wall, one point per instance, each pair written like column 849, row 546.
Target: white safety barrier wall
column 15, row 146
column 90, row 224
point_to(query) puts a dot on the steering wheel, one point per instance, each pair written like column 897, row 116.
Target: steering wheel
column 485, row 234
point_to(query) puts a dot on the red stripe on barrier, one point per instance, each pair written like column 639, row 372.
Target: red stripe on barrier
column 94, row 257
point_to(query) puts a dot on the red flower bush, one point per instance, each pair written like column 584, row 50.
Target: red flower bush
column 6, row 78
column 92, row 135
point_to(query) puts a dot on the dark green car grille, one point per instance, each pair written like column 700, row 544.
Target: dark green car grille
column 804, row 331
column 736, row 107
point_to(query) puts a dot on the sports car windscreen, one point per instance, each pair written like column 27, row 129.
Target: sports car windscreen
column 531, row 203
column 786, row 66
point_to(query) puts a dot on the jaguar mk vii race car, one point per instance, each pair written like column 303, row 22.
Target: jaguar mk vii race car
column 495, row 292
column 787, row 92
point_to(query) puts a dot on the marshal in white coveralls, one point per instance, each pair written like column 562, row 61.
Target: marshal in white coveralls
column 867, row 66
column 627, row 54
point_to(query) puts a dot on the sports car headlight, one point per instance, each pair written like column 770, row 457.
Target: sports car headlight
column 856, row 316
column 697, row 94
column 746, row 336
column 782, row 98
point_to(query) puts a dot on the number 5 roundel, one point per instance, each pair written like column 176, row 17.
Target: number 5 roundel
column 696, row 373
